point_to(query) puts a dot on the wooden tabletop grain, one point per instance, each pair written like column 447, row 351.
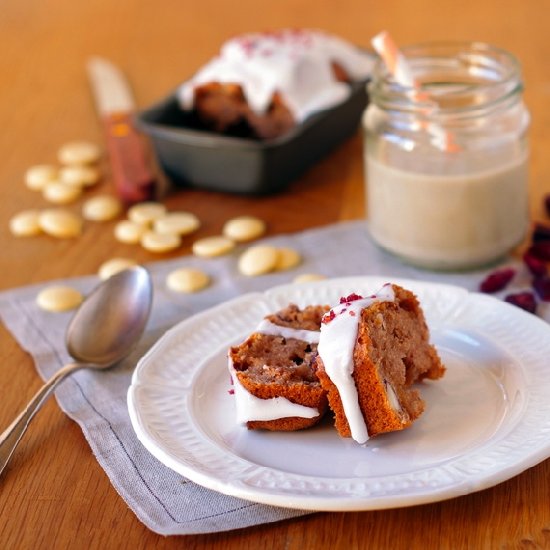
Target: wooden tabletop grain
column 55, row 495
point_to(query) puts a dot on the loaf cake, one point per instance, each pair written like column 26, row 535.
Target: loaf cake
column 266, row 83
column 274, row 384
column 371, row 350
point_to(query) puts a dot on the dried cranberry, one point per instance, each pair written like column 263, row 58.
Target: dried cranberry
column 541, row 232
column 497, row 280
column 525, row 300
column 328, row 317
column 535, row 265
column 542, row 287
column 541, row 250
column 351, row 298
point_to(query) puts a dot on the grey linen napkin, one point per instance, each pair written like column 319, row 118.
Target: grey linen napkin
column 164, row 501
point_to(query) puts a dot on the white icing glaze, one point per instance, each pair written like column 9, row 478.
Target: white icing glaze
column 309, row 336
column 294, row 63
column 336, row 345
column 249, row 407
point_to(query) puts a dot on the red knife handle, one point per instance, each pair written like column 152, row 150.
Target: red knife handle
column 133, row 177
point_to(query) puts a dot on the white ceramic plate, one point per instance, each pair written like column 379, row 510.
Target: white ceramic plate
column 487, row 420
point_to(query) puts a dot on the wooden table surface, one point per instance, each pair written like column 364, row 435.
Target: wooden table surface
column 55, row 495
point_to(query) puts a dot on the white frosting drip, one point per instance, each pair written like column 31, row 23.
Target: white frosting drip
column 267, row 327
column 296, row 64
column 336, row 345
column 249, row 407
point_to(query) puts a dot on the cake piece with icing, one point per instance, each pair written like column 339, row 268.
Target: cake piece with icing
column 274, row 384
column 269, row 82
column 371, row 350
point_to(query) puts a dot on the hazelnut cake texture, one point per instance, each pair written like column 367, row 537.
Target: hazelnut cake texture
column 273, row 376
column 371, row 351
column 264, row 84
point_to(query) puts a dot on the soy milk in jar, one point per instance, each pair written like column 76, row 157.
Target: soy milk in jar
column 446, row 169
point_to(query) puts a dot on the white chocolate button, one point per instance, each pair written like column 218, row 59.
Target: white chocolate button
column 180, row 223
column 115, row 265
column 287, row 258
column 244, row 228
column 258, row 260
column 129, row 232
column 59, row 298
column 213, row 246
column 60, row 193
column 101, row 208
column 26, row 224
column 146, row 212
column 79, row 153
column 61, row 223
column 308, row 277
column 155, row 242
column 37, row 177
column 187, row 279
column 79, row 176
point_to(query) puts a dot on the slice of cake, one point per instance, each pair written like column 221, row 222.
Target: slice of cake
column 371, row 350
column 274, row 383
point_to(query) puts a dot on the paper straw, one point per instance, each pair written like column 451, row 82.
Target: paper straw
column 401, row 71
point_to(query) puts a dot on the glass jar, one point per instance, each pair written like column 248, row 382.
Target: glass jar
column 446, row 167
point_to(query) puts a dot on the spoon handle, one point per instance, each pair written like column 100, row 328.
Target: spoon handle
column 11, row 437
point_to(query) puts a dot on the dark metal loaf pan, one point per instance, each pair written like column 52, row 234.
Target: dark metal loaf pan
column 203, row 159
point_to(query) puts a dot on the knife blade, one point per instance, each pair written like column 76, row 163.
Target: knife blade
column 133, row 177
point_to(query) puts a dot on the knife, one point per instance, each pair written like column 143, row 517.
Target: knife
column 128, row 154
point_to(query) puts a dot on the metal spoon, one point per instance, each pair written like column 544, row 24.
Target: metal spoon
column 104, row 330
